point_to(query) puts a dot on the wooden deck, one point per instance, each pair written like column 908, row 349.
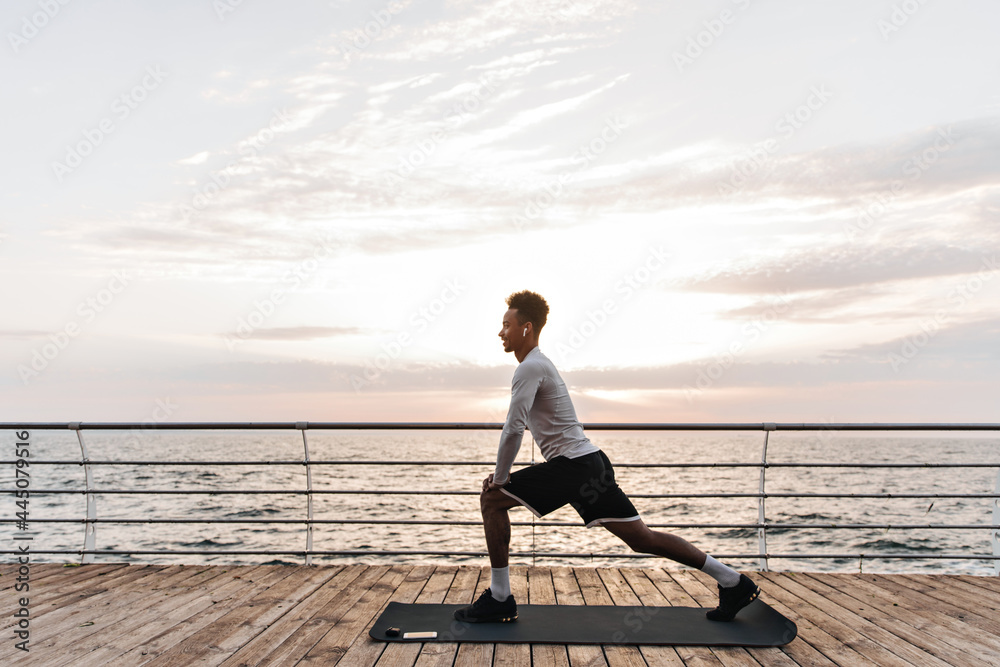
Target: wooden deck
column 116, row 614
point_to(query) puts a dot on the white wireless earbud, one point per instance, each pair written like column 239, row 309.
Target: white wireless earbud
column 525, row 331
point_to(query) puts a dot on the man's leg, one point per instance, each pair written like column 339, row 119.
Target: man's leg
column 637, row 535
column 496, row 523
column 735, row 590
column 495, row 605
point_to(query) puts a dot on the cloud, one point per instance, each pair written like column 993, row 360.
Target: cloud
column 357, row 124
column 22, row 334
column 841, row 267
column 197, row 158
column 305, row 332
column 840, row 180
column 835, row 306
column 970, row 347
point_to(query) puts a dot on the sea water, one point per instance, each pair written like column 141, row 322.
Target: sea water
column 208, row 451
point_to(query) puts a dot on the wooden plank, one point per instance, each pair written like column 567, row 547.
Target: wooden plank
column 989, row 583
column 463, row 591
column 335, row 643
column 400, row 655
column 621, row 594
column 990, row 597
column 941, row 619
column 188, row 576
column 515, row 654
column 54, row 612
column 708, row 596
column 912, row 622
column 211, row 600
column 67, row 575
column 974, row 607
column 866, row 633
column 649, row 595
column 438, row 654
column 367, row 651
column 146, row 611
column 542, row 591
column 11, row 566
column 216, row 640
column 325, row 613
column 819, row 623
column 55, row 591
column 41, row 573
column 88, row 617
column 120, row 614
column 910, row 606
column 670, row 587
column 594, row 592
column 892, row 632
column 167, row 605
column 173, row 599
column 592, row 587
column 567, row 591
column 227, row 593
column 565, row 585
column 705, row 592
column 463, row 588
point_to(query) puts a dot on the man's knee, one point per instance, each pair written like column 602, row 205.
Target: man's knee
column 491, row 501
column 641, row 544
column 640, row 541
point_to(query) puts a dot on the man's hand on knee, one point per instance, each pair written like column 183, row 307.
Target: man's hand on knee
column 488, row 484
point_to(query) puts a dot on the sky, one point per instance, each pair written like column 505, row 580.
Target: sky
column 738, row 210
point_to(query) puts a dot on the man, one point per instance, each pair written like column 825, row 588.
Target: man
column 574, row 472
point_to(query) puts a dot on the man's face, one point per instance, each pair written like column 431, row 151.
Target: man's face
column 511, row 332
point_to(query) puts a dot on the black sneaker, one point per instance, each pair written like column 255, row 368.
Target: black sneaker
column 731, row 600
column 488, row 610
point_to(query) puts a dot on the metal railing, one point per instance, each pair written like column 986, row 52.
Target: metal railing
column 762, row 526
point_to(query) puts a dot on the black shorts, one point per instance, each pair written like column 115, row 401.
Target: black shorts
column 586, row 482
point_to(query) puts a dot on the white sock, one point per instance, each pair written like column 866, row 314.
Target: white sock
column 500, row 583
column 725, row 575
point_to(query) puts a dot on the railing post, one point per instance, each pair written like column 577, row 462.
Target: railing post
column 90, row 525
column 761, row 506
column 302, row 426
column 996, row 533
column 533, row 550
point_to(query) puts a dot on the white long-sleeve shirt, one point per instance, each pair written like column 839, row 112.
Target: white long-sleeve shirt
column 540, row 400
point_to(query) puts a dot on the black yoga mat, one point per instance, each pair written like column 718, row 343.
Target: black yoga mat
column 755, row 625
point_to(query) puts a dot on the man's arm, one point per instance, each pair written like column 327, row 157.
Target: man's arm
column 522, row 396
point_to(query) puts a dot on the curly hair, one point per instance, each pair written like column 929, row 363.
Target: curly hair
column 530, row 307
